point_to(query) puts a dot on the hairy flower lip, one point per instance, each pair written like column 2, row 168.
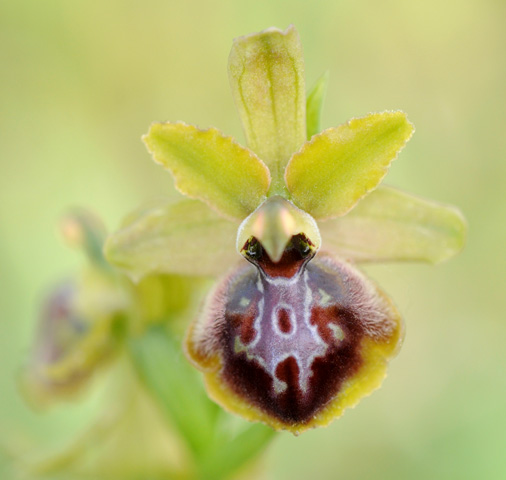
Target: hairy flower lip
column 379, row 341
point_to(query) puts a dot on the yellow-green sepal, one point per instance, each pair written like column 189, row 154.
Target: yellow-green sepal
column 390, row 225
column 209, row 166
column 185, row 238
column 266, row 72
column 339, row 166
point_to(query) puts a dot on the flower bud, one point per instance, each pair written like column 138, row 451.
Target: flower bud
column 81, row 322
column 79, row 329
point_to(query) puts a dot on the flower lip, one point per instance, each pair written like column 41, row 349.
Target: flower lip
column 294, row 352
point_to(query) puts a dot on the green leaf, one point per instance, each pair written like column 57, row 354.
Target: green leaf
column 210, row 167
column 185, row 238
column 266, row 72
column 226, row 458
column 389, row 225
column 176, row 387
column 314, row 104
column 178, row 390
column 339, row 166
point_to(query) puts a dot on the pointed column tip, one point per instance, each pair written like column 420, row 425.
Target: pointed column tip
column 274, row 223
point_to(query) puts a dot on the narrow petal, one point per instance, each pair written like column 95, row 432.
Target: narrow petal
column 210, row 167
column 389, row 225
column 185, row 238
column 314, row 104
column 266, row 72
column 333, row 171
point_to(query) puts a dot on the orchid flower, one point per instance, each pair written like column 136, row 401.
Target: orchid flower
column 292, row 333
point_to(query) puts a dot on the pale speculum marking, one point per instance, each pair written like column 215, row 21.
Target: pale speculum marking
column 244, row 302
column 283, row 329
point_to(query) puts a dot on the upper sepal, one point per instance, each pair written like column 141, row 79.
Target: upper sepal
column 266, row 72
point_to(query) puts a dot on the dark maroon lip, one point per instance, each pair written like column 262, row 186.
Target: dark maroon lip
column 288, row 347
column 250, row 380
column 290, row 333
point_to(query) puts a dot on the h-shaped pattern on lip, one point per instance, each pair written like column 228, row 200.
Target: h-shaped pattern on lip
column 282, row 329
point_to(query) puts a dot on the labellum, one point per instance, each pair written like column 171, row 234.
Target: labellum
column 293, row 337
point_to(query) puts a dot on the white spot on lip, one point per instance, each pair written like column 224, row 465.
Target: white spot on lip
column 244, row 302
column 325, row 297
column 337, row 331
column 279, row 385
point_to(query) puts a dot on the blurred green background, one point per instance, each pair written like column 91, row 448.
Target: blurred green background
column 80, row 82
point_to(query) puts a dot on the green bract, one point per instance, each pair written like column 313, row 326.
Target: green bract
column 314, row 105
column 330, row 177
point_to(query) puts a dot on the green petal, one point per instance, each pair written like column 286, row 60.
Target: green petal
column 314, row 104
column 266, row 72
column 390, row 225
column 186, row 238
column 210, row 167
column 330, row 174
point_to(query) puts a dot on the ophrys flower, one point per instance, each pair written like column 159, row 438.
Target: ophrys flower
column 297, row 334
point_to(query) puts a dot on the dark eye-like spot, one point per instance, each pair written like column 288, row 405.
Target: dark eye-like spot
column 302, row 244
column 253, row 249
